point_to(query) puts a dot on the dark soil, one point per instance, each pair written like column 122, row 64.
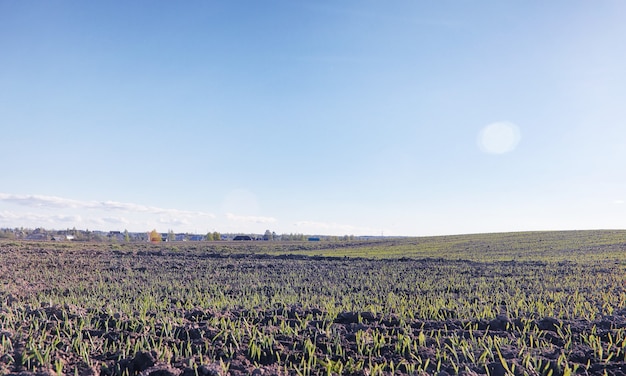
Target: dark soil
column 180, row 331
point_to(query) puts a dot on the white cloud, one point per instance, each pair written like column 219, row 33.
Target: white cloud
column 60, row 202
column 619, row 202
column 250, row 218
column 34, row 211
column 4, row 215
column 66, row 218
column 174, row 221
column 11, row 217
column 41, row 201
column 116, row 220
column 7, row 216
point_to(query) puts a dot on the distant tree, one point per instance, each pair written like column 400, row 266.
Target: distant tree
column 7, row 234
column 82, row 235
column 126, row 236
column 209, row 237
column 171, row 236
column 268, row 235
column 217, row 236
column 154, row 236
column 96, row 237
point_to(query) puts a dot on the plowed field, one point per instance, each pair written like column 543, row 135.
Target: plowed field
column 522, row 304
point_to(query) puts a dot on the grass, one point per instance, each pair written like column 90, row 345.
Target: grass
column 524, row 303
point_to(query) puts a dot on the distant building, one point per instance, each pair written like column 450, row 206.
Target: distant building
column 61, row 237
column 37, row 236
column 314, row 239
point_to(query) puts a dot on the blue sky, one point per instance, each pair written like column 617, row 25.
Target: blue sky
column 317, row 117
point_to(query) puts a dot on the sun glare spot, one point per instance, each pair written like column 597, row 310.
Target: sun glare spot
column 499, row 138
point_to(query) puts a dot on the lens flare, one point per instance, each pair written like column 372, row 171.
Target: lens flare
column 499, row 138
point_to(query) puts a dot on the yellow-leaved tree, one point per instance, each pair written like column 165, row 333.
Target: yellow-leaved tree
column 155, row 237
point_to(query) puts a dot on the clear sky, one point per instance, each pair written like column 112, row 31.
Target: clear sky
column 315, row 117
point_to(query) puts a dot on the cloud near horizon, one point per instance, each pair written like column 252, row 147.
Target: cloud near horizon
column 9, row 216
column 39, row 201
column 60, row 212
